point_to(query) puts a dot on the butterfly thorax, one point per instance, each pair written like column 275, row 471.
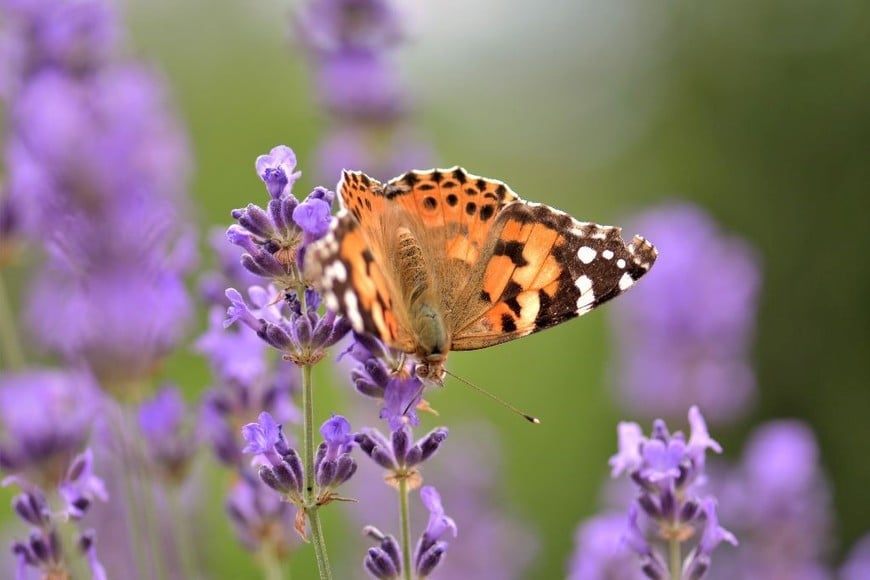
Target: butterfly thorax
column 426, row 320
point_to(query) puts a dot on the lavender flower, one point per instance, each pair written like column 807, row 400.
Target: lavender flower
column 80, row 486
column 169, row 440
column 44, row 549
column 47, row 417
column 600, row 550
column 350, row 43
column 76, row 157
column 384, row 561
column 431, row 548
column 333, row 464
column 684, row 337
column 779, row 502
column 261, row 520
column 669, row 471
column 273, row 239
column 857, row 565
column 495, row 542
column 280, row 466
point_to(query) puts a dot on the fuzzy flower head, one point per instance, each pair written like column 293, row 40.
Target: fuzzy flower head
column 274, row 239
column 685, row 335
column 169, row 438
column 46, row 416
column 669, row 473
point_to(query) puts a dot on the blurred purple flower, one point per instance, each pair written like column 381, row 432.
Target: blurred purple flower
column 857, row 565
column 80, row 486
column 777, row 500
column 47, row 417
column 352, row 43
column 97, row 169
column 169, row 439
column 600, row 551
column 684, row 337
column 261, row 520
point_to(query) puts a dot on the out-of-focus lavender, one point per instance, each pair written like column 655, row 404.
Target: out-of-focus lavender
column 778, row 502
column 600, row 550
column 46, row 418
column 857, row 565
column 351, row 48
column 684, row 336
column 56, row 538
column 97, row 172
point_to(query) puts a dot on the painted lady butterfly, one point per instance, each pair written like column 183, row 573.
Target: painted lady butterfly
column 441, row 260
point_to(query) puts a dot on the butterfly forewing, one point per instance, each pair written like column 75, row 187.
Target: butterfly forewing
column 543, row 268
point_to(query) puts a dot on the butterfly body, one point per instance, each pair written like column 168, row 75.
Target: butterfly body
column 442, row 260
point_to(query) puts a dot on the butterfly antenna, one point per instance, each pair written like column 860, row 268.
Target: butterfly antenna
column 498, row 400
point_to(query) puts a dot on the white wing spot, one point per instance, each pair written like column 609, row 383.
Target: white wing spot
column 586, row 254
column 587, row 296
column 626, row 281
column 620, row 264
column 335, row 271
column 351, row 306
column 607, row 254
column 583, row 283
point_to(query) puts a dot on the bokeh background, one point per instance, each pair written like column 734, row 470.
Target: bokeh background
column 758, row 112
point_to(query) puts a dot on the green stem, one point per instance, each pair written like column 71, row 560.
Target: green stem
column 183, row 535
column 676, row 563
column 405, row 524
column 308, row 475
column 271, row 565
column 9, row 336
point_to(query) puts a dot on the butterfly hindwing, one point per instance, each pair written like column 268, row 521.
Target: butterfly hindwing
column 544, row 267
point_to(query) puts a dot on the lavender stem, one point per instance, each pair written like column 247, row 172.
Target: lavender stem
column 675, row 563
column 12, row 350
column 308, row 486
column 405, row 523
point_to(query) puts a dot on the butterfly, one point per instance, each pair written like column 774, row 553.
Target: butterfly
column 442, row 260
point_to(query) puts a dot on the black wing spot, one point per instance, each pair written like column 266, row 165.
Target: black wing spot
column 448, row 184
column 459, row 175
column 436, row 176
column 501, row 191
column 486, row 212
column 513, row 250
column 471, row 191
column 430, row 203
column 508, row 324
column 365, row 179
column 484, row 295
column 452, row 200
column 426, row 186
column 411, row 178
column 470, row 208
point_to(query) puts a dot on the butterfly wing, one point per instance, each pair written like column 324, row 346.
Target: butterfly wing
column 541, row 267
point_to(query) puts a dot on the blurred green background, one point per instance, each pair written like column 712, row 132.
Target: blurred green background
column 757, row 110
